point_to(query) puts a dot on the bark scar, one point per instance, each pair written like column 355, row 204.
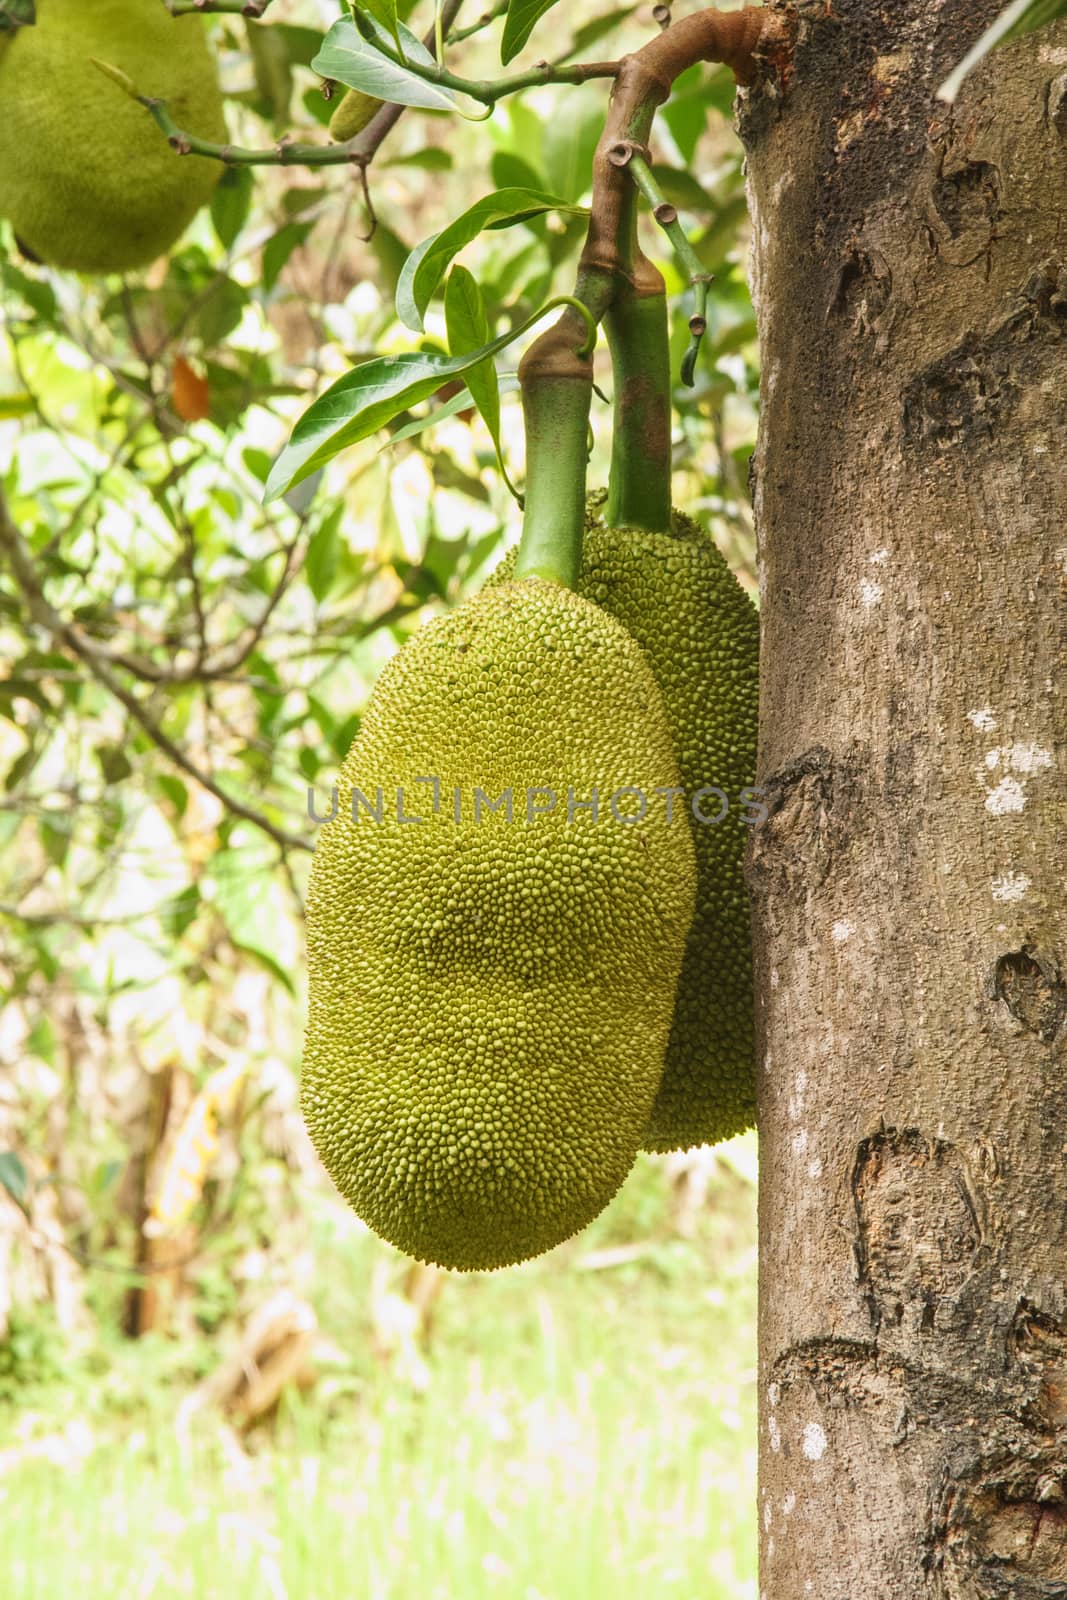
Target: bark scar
column 918, row 1225
column 1033, row 992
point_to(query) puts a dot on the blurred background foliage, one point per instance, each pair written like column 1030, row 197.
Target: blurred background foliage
column 178, row 664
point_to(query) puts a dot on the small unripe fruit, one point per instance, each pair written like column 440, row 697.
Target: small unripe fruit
column 353, row 115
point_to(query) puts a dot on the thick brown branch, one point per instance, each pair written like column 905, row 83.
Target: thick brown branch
column 644, row 81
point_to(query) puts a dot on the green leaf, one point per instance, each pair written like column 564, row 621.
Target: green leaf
column 272, row 69
column 597, row 29
column 511, row 171
column 570, row 139
column 257, row 462
column 522, row 17
column 429, row 261
column 220, row 310
column 55, row 840
column 384, row 11
column 468, row 329
column 320, row 566
column 459, row 402
column 1020, row 18
column 247, row 899
column 683, row 190
column 13, row 1178
column 432, row 159
column 349, row 58
column 38, row 295
column 278, row 250
column 114, row 762
column 179, row 912
column 103, row 1176
column 16, row 14
column 364, row 400
column 301, row 43
column 391, row 252
column 686, row 112
column 230, row 202
column 318, row 108
column 175, row 791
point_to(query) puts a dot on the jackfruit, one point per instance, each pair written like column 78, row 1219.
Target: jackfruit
column 352, row 115
column 676, row 596
column 87, row 179
column 490, row 994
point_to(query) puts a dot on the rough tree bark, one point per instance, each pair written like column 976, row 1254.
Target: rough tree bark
column 910, row 274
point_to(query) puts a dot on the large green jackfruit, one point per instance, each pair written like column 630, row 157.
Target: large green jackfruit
column 676, row 596
column 87, row 179
column 490, row 999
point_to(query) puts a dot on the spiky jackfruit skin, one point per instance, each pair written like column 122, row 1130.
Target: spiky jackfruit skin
column 490, row 1002
column 676, row 596
column 87, row 179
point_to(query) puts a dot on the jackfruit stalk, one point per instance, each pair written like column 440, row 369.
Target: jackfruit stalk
column 87, row 179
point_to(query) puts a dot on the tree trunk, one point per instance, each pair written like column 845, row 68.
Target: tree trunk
column 910, row 276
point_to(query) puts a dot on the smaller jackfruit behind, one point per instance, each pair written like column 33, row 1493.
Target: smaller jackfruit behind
column 352, row 115
column 87, row 179
column 491, row 990
column 675, row 595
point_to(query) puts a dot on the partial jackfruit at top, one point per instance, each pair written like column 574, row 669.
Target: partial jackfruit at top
column 676, row 596
column 87, row 179
column 490, row 995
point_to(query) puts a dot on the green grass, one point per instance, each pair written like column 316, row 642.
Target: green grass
column 583, row 1433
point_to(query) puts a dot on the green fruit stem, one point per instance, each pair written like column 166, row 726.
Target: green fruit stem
column 556, row 379
column 639, row 479
column 617, row 280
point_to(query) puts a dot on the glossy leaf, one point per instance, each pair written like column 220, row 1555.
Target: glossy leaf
column 349, row 58
column 384, row 12
column 429, row 261
column 468, row 329
column 522, row 18
column 363, row 401
column 507, row 383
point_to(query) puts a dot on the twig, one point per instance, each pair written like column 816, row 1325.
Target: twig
column 489, row 90
column 484, row 21
column 283, row 154
column 240, row 8
column 70, row 919
column 358, row 152
column 611, row 257
column 643, row 83
column 354, row 153
column 204, row 669
column 85, row 649
column 365, row 145
column 667, row 217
